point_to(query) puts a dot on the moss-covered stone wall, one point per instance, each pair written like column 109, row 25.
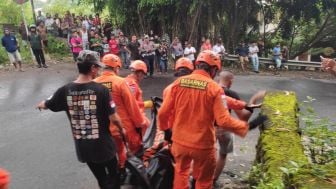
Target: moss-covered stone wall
column 280, row 144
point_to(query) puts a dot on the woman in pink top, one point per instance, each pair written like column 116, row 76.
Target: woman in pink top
column 114, row 47
column 206, row 45
column 76, row 44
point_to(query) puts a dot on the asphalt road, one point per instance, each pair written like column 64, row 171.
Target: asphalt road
column 37, row 147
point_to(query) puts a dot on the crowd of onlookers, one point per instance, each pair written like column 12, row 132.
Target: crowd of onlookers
column 84, row 32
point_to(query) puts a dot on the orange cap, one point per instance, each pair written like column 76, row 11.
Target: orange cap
column 139, row 65
column 184, row 63
column 112, row 60
column 210, row 58
column 4, row 178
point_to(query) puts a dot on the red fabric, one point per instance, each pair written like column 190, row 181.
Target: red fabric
column 114, row 47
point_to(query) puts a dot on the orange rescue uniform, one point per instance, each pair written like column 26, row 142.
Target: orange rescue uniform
column 127, row 109
column 137, row 93
column 196, row 102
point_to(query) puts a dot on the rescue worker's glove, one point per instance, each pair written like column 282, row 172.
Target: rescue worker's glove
column 257, row 121
column 168, row 135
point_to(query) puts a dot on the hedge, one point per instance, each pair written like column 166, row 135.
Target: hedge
column 280, row 159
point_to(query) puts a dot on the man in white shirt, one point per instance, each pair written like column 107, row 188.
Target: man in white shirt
column 49, row 24
column 189, row 51
column 219, row 48
column 85, row 37
column 253, row 52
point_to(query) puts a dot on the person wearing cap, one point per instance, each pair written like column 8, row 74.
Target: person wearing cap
column 10, row 43
column 36, row 44
column 148, row 52
column 127, row 107
column 139, row 71
column 90, row 109
column 194, row 103
column 4, row 179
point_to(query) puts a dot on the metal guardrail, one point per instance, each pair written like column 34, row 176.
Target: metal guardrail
column 298, row 63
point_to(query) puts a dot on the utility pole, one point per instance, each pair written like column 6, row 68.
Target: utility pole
column 33, row 8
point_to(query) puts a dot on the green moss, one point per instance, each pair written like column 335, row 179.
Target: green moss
column 280, row 143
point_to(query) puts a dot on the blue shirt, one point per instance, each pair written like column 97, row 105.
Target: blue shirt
column 276, row 51
column 9, row 42
column 242, row 51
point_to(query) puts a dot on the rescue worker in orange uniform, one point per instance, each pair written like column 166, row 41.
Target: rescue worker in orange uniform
column 196, row 103
column 4, row 179
column 183, row 66
column 139, row 71
column 127, row 107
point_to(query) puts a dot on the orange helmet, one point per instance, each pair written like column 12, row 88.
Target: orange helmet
column 184, row 63
column 139, row 65
column 210, row 58
column 4, row 178
column 111, row 60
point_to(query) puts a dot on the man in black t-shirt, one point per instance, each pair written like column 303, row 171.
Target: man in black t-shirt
column 133, row 47
column 90, row 109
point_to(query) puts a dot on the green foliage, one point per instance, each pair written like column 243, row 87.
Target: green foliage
column 10, row 12
column 58, row 46
column 281, row 161
column 61, row 6
column 320, row 135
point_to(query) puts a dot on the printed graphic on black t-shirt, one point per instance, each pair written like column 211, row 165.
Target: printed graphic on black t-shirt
column 88, row 107
column 83, row 114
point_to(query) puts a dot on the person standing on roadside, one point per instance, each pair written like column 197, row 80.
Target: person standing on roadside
column 133, row 47
column 253, row 51
column 42, row 31
column 189, row 52
column 148, row 53
column 49, row 22
column 277, row 57
column 36, row 44
column 123, row 41
column 127, row 107
column 206, row 45
column 107, row 29
column 163, row 56
column 10, row 43
column 219, row 48
column 90, row 110
column 85, row 37
column 177, row 50
column 40, row 18
column 243, row 52
column 114, row 47
column 76, row 45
